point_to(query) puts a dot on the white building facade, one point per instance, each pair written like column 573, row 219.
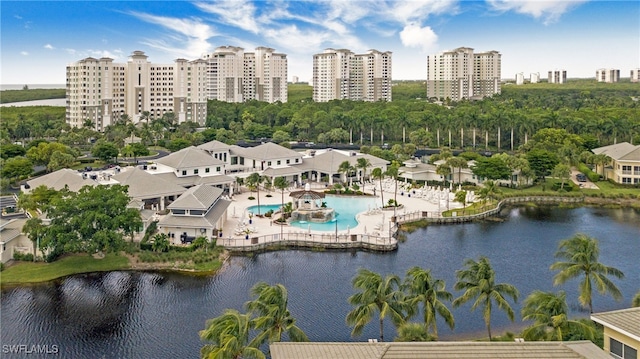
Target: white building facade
column 237, row 76
column 635, row 75
column 462, row 74
column 608, row 75
column 343, row 75
column 101, row 91
column 557, row 77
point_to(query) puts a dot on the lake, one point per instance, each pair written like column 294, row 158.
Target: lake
column 141, row 315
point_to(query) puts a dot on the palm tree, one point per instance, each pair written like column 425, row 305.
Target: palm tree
column 580, row 254
column 549, row 313
column 489, row 191
column 601, row 160
column 635, row 302
column 461, row 197
column 422, row 287
column 394, row 171
column 345, row 168
column 459, row 163
column 378, row 174
column 229, row 335
column 281, row 183
column 363, row 164
column 254, row 180
column 478, row 281
column 272, row 315
column 376, row 294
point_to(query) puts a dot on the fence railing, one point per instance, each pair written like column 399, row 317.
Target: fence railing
column 435, row 217
column 311, row 240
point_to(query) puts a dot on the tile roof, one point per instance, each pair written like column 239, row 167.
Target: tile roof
column 213, row 146
column 58, row 179
column 440, row 350
column 621, row 151
column 198, row 197
column 626, row 321
column 189, row 157
column 209, row 220
column 329, row 161
column 145, row 185
column 266, row 151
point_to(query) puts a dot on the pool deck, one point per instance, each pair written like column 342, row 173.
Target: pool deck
column 370, row 233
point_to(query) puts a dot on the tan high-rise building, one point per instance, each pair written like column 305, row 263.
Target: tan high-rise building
column 341, row 75
column 607, row 75
column 238, row 76
column 462, row 74
column 100, row 91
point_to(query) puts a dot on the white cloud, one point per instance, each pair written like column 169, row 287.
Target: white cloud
column 239, row 13
column 191, row 38
column 415, row 36
column 549, row 10
column 24, row 53
column 49, row 47
column 406, row 11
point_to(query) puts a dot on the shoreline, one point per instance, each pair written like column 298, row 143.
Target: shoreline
column 596, row 202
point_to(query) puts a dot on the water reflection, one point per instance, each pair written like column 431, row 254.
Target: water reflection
column 137, row 314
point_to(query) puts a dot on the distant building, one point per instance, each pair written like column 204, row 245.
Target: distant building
column 234, row 75
column 341, row 74
column 534, row 77
column 519, row 78
column 101, row 91
column 607, row 75
column 557, row 77
column 635, row 75
column 462, row 74
column 295, row 79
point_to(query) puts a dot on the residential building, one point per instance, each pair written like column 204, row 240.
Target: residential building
column 237, row 76
column 441, row 350
column 534, row 77
column 462, row 74
column 557, row 77
column 635, row 75
column 12, row 240
column 101, row 91
column 343, row 75
column 519, row 78
column 607, row 75
column 621, row 332
column 625, row 162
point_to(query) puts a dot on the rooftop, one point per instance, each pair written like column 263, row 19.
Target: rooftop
column 625, row 321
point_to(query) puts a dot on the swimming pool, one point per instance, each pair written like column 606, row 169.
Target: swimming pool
column 264, row 208
column 346, row 208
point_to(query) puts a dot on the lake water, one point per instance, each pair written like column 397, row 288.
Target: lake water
column 145, row 315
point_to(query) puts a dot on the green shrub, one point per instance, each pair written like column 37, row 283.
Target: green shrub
column 19, row 256
column 251, row 198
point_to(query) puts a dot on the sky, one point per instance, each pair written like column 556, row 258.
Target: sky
column 39, row 38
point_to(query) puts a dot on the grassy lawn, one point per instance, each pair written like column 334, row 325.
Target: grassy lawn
column 29, row 272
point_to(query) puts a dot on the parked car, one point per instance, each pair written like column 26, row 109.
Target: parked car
column 581, row 177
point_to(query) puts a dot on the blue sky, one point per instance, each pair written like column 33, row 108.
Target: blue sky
column 38, row 38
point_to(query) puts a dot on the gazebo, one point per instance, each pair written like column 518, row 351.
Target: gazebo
column 308, row 206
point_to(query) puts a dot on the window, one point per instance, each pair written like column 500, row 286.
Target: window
column 206, row 170
column 626, row 170
column 195, row 172
column 268, row 163
column 184, row 172
column 278, row 163
column 297, row 159
column 217, row 169
column 288, row 161
column 626, row 180
column 620, row 350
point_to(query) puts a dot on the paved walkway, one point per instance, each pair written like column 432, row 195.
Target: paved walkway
column 375, row 223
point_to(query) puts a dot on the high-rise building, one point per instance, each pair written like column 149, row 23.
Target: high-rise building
column 462, row 74
column 635, row 75
column 100, row 91
column 519, row 78
column 237, row 76
column 557, row 77
column 607, row 75
column 341, row 74
column 534, row 77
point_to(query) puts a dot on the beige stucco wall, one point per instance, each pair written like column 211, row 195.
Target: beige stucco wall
column 624, row 339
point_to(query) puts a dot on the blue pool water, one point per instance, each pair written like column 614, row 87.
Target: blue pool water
column 346, row 209
column 263, row 208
